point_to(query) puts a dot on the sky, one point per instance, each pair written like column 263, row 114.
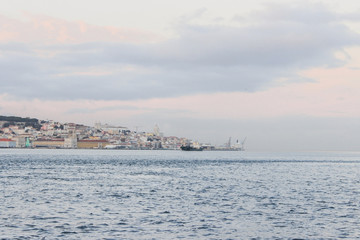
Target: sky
column 283, row 74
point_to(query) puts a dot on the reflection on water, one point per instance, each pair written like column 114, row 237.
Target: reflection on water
column 94, row 194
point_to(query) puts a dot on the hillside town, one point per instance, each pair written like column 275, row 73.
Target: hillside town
column 17, row 132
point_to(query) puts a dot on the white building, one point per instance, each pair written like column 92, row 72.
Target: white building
column 7, row 143
column 109, row 128
column 20, row 142
column 157, row 131
column 70, row 142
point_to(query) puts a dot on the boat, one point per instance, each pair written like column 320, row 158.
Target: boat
column 229, row 147
column 190, row 148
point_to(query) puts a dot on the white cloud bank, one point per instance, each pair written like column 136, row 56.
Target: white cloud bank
column 48, row 58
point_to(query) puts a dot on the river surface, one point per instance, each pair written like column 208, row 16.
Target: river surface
column 119, row 194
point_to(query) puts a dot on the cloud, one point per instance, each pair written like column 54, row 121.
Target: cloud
column 134, row 110
column 74, row 63
column 49, row 30
column 297, row 12
column 193, row 16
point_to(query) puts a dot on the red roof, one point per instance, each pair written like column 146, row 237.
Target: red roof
column 49, row 140
column 6, row 140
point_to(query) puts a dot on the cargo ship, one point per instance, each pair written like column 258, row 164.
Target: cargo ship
column 190, row 148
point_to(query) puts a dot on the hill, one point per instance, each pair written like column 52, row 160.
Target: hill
column 18, row 119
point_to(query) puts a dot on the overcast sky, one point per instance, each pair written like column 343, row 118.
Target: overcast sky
column 284, row 74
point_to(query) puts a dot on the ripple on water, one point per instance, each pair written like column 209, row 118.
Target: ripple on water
column 166, row 195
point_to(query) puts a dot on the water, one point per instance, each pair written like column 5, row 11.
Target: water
column 97, row 194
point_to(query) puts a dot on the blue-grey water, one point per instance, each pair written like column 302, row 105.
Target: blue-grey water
column 115, row 194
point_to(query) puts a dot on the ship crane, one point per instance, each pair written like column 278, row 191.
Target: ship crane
column 242, row 144
column 229, row 143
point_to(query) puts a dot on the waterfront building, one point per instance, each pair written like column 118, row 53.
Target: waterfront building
column 92, row 143
column 48, row 143
column 7, row 143
column 70, row 142
column 20, row 142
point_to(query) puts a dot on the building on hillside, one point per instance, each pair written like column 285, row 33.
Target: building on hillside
column 157, row 131
column 70, row 127
column 109, row 128
column 7, row 143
